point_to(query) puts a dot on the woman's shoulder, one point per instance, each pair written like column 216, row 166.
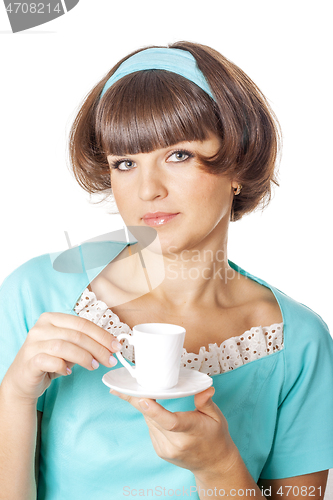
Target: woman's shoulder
column 27, row 272
column 300, row 321
column 36, row 285
column 308, row 349
column 20, row 292
column 261, row 304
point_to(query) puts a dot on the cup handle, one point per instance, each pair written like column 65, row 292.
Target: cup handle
column 120, row 356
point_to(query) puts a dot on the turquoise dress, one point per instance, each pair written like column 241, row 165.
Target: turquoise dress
column 279, row 408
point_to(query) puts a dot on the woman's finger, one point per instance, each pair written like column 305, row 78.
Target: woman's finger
column 46, row 363
column 57, row 335
column 204, row 403
column 163, row 419
column 87, row 357
column 69, row 322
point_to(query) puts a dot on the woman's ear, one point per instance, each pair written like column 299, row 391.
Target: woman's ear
column 234, row 185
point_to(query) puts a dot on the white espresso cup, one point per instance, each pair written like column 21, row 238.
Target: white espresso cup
column 158, row 348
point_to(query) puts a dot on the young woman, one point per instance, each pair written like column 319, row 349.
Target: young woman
column 187, row 142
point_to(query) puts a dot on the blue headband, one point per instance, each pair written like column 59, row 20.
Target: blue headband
column 175, row 60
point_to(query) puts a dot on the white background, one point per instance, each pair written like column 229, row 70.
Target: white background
column 284, row 46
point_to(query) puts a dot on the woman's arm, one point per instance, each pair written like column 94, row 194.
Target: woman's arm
column 311, row 486
column 238, row 483
column 18, row 431
column 200, row 441
column 235, row 482
column 55, row 343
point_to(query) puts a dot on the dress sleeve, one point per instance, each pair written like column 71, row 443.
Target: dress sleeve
column 303, row 440
column 15, row 320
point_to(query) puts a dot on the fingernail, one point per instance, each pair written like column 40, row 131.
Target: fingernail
column 69, row 371
column 112, row 361
column 94, row 364
column 116, row 346
column 143, row 404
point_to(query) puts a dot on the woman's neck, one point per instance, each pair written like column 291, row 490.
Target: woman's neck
column 189, row 278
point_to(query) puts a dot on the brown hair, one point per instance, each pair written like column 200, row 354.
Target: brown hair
column 153, row 109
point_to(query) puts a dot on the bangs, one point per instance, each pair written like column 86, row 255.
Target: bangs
column 153, row 109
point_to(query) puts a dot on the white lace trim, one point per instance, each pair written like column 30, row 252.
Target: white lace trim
column 237, row 351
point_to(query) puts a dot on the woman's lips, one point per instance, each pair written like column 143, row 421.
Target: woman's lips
column 158, row 219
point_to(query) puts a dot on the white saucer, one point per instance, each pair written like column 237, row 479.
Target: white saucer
column 190, row 382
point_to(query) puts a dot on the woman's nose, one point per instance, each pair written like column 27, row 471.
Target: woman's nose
column 152, row 184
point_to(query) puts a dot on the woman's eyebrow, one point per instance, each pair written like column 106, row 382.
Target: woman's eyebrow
column 175, row 146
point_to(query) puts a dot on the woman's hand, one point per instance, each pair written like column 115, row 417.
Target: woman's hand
column 56, row 343
column 196, row 440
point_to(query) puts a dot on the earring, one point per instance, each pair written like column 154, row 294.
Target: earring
column 238, row 189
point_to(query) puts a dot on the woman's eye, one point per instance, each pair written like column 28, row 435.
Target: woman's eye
column 178, row 156
column 124, row 165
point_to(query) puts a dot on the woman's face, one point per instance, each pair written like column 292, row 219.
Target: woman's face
column 168, row 180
